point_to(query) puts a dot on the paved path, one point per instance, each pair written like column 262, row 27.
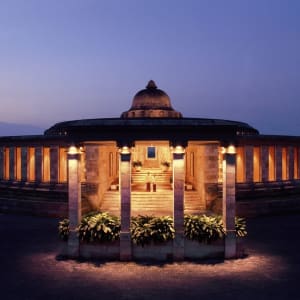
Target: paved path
column 30, row 270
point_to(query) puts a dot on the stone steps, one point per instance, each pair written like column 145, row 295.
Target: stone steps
column 155, row 174
column 156, row 203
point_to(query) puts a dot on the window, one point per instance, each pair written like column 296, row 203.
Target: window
column 62, row 165
column 31, row 164
column 151, row 152
column 46, row 164
column 284, row 163
column 240, row 164
column 271, row 163
column 256, row 164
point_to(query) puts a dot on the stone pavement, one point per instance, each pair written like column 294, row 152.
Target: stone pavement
column 31, row 270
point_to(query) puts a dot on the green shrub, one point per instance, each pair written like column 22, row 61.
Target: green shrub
column 99, row 227
column 240, row 227
column 204, row 229
column 147, row 229
column 63, row 229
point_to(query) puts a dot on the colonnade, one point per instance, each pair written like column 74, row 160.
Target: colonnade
column 267, row 163
column 34, row 164
column 178, row 202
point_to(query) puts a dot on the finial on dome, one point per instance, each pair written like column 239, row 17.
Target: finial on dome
column 151, row 85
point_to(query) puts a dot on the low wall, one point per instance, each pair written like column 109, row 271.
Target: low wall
column 155, row 252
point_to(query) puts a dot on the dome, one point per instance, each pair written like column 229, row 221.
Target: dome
column 151, row 102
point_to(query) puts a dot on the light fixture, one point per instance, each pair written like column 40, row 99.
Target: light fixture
column 231, row 149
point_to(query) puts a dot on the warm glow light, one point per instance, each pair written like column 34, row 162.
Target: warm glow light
column 231, row 149
column 125, row 150
column 223, row 150
column 178, row 149
column 73, row 150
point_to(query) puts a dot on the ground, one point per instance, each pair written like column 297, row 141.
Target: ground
column 31, row 270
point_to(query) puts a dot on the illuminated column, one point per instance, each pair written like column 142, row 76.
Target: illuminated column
column 265, row 163
column 178, row 195
column 74, row 191
column 290, row 163
column 229, row 161
column 54, row 164
column 249, row 163
column 278, row 163
column 12, row 163
column 125, row 193
column 24, row 163
column 2, row 163
column 38, row 164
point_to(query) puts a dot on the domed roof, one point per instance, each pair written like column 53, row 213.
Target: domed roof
column 151, row 102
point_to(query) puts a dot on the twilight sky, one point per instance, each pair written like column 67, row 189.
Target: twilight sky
column 72, row 59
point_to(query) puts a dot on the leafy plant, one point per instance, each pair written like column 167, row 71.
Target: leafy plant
column 63, row 229
column 147, row 229
column 137, row 163
column 166, row 164
column 99, row 227
column 240, row 227
column 204, row 229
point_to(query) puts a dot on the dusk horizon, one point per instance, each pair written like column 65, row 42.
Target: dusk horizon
column 87, row 59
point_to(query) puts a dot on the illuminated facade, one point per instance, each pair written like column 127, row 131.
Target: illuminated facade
column 151, row 160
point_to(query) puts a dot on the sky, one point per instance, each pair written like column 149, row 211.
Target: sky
column 74, row 59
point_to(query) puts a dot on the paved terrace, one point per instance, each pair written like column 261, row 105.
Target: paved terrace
column 30, row 269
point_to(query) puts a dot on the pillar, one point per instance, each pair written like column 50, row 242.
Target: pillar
column 12, row 163
column 178, row 209
column 229, row 161
column 2, row 163
column 249, row 163
column 53, row 164
column 24, row 164
column 125, row 193
column 278, row 163
column 38, row 164
column 265, row 163
column 74, row 192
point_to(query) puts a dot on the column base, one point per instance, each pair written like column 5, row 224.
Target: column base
column 178, row 246
column 73, row 245
column 230, row 245
column 125, row 246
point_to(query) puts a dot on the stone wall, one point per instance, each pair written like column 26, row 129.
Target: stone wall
column 204, row 176
column 100, row 170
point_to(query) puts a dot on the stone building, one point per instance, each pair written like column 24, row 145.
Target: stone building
column 151, row 160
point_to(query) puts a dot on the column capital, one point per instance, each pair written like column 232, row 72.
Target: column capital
column 74, row 152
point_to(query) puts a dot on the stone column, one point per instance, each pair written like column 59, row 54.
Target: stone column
column 290, row 163
column 24, row 164
column 74, row 189
column 278, row 163
column 53, row 164
column 229, row 161
column 125, row 193
column 12, row 163
column 264, row 163
column 2, row 163
column 249, row 163
column 178, row 196
column 38, row 164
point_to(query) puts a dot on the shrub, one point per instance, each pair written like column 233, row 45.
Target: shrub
column 147, row 229
column 204, row 229
column 240, row 227
column 63, row 229
column 99, row 227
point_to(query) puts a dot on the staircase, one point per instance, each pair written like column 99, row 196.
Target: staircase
column 155, row 175
column 158, row 203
